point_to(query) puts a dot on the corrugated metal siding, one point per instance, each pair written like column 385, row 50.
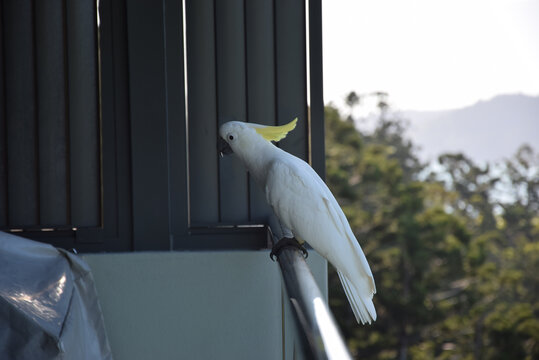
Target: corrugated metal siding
column 137, row 168
column 246, row 61
column 49, row 142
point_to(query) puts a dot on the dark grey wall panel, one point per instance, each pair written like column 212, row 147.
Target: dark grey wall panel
column 20, row 113
column 231, row 104
column 291, row 73
column 51, row 112
column 316, row 82
column 3, row 153
column 148, row 125
column 83, row 113
column 116, row 147
column 177, row 130
column 202, row 112
column 148, row 176
column 260, row 63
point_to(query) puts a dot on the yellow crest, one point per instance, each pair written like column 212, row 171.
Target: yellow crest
column 276, row 133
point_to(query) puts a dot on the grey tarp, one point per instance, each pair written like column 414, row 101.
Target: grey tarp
column 48, row 304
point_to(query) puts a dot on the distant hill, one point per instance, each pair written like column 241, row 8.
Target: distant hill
column 487, row 131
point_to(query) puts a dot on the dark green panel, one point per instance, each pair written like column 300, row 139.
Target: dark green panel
column 291, row 73
column 260, row 61
column 3, row 154
column 51, row 112
column 83, row 107
column 231, row 105
column 202, row 113
column 20, row 113
column 317, row 93
column 149, row 149
column 177, row 132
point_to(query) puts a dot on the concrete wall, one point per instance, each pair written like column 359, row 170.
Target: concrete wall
column 197, row 305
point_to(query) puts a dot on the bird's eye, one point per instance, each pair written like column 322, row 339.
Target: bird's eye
column 230, row 137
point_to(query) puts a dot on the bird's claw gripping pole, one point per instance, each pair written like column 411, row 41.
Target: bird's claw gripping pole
column 286, row 242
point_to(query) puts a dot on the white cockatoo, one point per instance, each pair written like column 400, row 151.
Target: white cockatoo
column 304, row 204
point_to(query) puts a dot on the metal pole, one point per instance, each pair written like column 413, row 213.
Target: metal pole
column 313, row 314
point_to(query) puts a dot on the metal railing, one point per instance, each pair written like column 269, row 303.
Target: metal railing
column 312, row 313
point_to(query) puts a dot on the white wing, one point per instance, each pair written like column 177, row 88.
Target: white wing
column 304, row 204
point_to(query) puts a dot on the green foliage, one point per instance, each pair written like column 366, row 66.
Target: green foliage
column 457, row 272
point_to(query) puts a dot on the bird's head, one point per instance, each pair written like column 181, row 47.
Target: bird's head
column 238, row 137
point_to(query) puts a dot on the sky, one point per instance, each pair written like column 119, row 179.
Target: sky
column 430, row 54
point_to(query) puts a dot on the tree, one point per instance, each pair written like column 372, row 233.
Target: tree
column 455, row 266
column 374, row 177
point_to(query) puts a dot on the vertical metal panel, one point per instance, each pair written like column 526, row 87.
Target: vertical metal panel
column 203, row 178
column 83, row 113
column 316, row 87
column 3, row 154
column 147, row 79
column 117, row 213
column 51, row 112
column 260, row 61
column 20, row 112
column 231, row 104
column 112, row 109
column 260, row 84
column 177, row 132
column 291, row 73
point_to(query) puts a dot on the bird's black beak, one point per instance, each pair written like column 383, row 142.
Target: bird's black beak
column 223, row 147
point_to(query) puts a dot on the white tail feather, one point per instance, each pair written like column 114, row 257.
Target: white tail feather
column 361, row 305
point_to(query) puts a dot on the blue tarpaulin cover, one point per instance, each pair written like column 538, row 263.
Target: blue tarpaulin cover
column 48, row 304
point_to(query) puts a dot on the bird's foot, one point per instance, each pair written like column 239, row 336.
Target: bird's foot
column 285, row 242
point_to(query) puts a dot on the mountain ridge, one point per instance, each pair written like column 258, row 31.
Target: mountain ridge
column 488, row 131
